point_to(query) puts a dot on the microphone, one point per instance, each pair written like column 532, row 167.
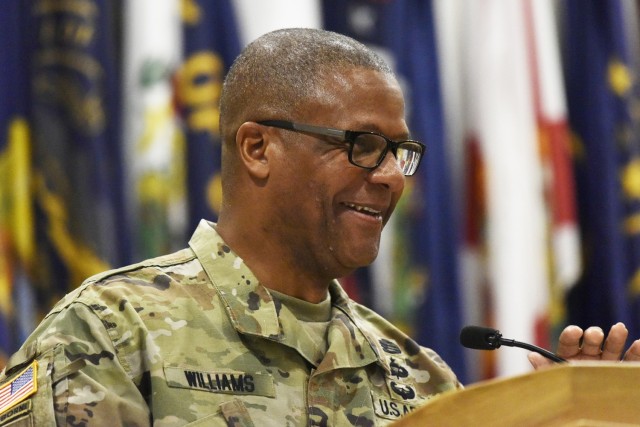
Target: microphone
column 482, row 338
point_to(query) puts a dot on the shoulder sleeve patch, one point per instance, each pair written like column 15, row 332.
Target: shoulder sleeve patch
column 19, row 387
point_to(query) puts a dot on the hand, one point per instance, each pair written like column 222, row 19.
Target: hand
column 574, row 344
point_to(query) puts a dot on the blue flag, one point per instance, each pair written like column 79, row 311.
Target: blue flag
column 404, row 31
column 77, row 161
column 16, row 224
column 10, row 74
column 210, row 45
column 600, row 96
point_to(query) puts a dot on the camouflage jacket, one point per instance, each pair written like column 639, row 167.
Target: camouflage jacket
column 193, row 339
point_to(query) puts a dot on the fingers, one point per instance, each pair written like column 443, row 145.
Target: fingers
column 592, row 343
column 539, row 361
column 614, row 345
column 569, row 342
column 633, row 353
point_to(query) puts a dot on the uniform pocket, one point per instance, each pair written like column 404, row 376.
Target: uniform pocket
column 236, row 414
column 231, row 413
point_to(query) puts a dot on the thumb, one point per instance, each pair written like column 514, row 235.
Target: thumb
column 538, row 361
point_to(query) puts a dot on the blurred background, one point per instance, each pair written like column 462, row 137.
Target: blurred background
column 524, row 215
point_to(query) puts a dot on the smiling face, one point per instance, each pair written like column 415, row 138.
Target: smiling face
column 328, row 212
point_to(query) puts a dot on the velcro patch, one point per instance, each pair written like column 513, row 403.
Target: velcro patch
column 19, row 387
column 17, row 411
column 231, row 382
column 390, row 409
column 402, row 391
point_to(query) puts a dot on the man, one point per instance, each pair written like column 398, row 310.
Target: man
column 247, row 326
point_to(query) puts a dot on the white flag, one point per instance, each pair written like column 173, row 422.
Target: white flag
column 154, row 152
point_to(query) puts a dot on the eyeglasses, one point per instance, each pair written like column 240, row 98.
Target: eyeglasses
column 366, row 149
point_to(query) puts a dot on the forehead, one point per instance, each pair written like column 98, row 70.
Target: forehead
column 359, row 98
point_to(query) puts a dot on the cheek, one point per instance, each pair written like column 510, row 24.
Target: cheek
column 305, row 203
column 310, row 186
column 319, row 199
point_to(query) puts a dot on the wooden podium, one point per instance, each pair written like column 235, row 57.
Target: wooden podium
column 585, row 394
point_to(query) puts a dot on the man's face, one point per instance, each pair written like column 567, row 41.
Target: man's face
column 329, row 211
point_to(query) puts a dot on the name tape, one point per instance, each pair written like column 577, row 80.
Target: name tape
column 231, row 382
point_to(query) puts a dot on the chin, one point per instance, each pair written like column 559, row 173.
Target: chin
column 363, row 259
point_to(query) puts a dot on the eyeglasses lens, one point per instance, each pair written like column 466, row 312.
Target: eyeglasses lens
column 367, row 149
column 408, row 156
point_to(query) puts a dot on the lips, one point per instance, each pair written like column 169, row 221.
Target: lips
column 366, row 210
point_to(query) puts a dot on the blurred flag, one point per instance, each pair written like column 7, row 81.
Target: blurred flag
column 554, row 145
column 603, row 111
column 211, row 44
column 77, row 161
column 468, row 180
column 426, row 239
column 520, row 39
column 256, row 18
column 16, row 214
column 153, row 141
column 510, row 246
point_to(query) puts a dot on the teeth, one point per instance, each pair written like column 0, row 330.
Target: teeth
column 363, row 209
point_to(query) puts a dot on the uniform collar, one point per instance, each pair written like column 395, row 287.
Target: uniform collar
column 253, row 311
column 249, row 305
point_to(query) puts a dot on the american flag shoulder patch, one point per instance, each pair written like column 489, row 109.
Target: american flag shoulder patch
column 19, row 387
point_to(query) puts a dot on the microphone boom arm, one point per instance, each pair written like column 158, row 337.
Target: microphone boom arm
column 531, row 347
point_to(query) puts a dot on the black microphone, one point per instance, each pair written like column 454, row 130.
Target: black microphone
column 482, row 338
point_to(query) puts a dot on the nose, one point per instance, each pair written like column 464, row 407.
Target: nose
column 388, row 174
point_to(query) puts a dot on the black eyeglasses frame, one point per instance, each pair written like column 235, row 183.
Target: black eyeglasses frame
column 349, row 136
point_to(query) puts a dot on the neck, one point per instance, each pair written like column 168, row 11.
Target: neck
column 272, row 262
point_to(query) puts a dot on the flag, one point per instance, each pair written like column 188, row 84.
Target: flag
column 153, row 141
column 506, row 115
column 256, row 18
column 426, row 237
column 77, row 178
column 16, row 213
column 510, row 245
column 554, row 145
column 602, row 93
column 211, row 44
column 19, row 388
column 468, row 180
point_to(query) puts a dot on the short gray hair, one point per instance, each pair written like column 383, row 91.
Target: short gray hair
column 279, row 70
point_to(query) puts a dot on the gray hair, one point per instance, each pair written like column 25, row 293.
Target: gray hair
column 278, row 71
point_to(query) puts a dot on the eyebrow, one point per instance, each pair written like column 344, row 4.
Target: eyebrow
column 372, row 127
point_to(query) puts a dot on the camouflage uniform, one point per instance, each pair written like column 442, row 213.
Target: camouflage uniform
column 192, row 339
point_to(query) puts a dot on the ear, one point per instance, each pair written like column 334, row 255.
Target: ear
column 252, row 141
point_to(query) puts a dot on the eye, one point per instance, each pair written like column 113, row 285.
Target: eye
column 368, row 147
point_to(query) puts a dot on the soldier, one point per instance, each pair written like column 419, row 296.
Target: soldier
column 248, row 326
